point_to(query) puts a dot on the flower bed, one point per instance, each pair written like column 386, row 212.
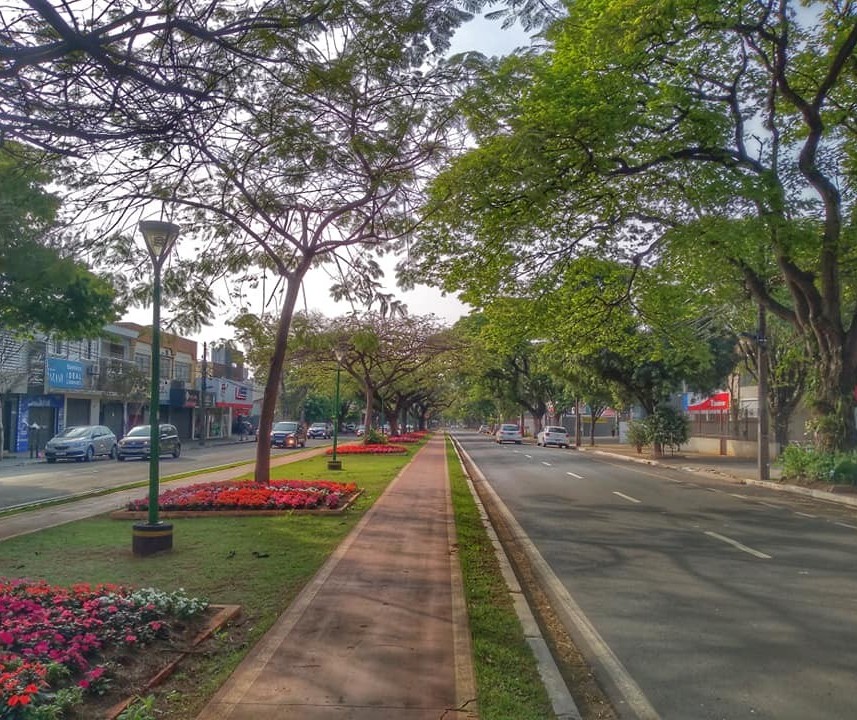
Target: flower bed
column 53, row 640
column 252, row 495
column 371, row 449
column 406, row 438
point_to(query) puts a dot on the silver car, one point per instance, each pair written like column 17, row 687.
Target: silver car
column 508, row 433
column 81, row 443
column 553, row 435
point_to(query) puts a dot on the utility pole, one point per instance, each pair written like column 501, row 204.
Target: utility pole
column 202, row 393
column 762, row 354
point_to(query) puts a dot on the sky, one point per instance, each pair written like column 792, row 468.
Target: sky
column 480, row 35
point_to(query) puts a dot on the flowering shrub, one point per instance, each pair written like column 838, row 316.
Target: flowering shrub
column 406, row 438
column 252, row 495
column 52, row 636
column 369, row 450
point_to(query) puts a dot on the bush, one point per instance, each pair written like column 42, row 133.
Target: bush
column 668, row 428
column 638, row 434
column 375, row 437
column 845, row 471
column 810, row 464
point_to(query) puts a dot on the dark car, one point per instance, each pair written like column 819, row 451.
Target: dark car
column 288, row 434
column 81, row 442
column 138, row 440
column 319, row 430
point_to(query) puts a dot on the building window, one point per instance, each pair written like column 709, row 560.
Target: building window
column 57, row 346
column 166, row 368
column 182, row 371
column 143, row 362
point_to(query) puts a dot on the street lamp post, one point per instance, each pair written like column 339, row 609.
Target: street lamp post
column 333, row 463
column 155, row 536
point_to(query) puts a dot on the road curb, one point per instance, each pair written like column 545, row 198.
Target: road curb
column 562, row 702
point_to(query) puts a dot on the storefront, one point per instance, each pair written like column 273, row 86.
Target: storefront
column 233, row 399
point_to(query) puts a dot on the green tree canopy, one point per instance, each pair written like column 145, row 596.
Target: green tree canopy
column 42, row 288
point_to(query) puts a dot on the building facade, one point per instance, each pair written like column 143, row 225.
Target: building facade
column 48, row 384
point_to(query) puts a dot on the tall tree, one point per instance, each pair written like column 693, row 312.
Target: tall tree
column 317, row 156
column 42, row 288
column 646, row 120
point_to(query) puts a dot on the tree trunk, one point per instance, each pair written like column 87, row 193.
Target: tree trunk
column 833, row 423
column 370, row 404
column 262, row 472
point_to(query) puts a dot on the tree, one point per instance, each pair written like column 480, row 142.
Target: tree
column 381, row 354
column 647, row 121
column 316, row 157
column 118, row 71
column 42, row 289
column 788, row 373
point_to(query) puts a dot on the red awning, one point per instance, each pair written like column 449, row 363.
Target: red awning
column 719, row 402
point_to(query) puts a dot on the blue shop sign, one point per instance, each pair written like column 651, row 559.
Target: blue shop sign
column 65, row 373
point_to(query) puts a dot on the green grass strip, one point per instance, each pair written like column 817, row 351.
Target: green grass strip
column 507, row 678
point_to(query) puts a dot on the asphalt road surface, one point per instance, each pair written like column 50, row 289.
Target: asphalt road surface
column 699, row 599
column 26, row 483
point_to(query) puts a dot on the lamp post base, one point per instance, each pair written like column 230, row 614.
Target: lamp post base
column 334, row 464
column 150, row 539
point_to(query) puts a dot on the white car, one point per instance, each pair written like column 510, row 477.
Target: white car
column 508, row 433
column 554, row 435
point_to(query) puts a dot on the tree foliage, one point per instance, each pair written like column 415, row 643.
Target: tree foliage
column 652, row 123
column 42, row 288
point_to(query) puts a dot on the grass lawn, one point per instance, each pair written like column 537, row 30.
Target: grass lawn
column 507, row 679
column 262, row 563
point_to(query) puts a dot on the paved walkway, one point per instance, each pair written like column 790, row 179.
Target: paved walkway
column 381, row 632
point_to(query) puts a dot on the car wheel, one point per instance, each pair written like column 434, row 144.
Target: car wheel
column 113, row 452
column 177, row 450
column 120, row 458
column 90, row 453
column 51, row 460
column 518, row 442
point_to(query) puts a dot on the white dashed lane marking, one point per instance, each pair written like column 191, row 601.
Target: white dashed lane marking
column 739, row 546
column 626, row 497
column 575, row 475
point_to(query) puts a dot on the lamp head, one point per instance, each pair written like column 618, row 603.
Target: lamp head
column 160, row 237
column 340, row 354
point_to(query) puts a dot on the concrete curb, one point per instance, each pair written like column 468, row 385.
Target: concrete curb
column 561, row 700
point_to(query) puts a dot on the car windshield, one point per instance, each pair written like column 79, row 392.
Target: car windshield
column 555, row 429
column 286, row 426
column 139, row 431
column 75, row 432
column 507, row 428
column 318, row 425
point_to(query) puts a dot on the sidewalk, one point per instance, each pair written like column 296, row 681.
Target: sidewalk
column 381, row 632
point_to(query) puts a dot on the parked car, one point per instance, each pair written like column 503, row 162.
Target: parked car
column 484, row 429
column 319, row 430
column 288, row 433
column 137, row 443
column 508, row 433
column 81, row 443
column 361, row 430
column 554, row 435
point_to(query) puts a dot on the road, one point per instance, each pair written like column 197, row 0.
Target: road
column 22, row 484
column 698, row 599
